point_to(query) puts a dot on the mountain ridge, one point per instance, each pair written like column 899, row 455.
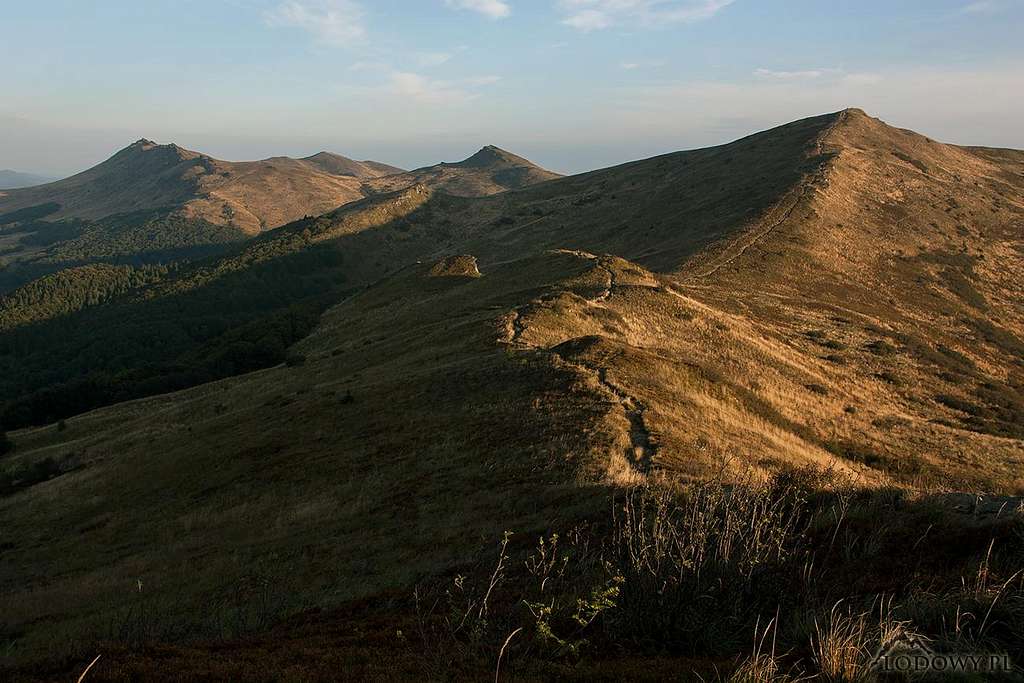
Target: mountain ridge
column 251, row 195
column 773, row 246
column 147, row 175
column 833, row 292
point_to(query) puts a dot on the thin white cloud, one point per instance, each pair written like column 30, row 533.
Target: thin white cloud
column 427, row 60
column 594, row 15
column 806, row 74
column 478, row 81
column 822, row 76
column 980, row 7
column 589, row 20
column 367, row 66
column 331, row 22
column 644, row 64
column 423, row 89
column 492, row 9
column 428, row 91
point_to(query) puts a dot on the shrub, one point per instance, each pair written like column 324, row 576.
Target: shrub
column 889, row 378
column 957, row 403
column 880, row 347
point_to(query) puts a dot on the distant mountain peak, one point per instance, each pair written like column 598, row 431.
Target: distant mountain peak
column 11, row 179
column 146, row 151
column 337, row 164
column 491, row 155
column 250, row 195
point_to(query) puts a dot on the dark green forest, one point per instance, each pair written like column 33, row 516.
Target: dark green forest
column 141, row 346
column 73, row 289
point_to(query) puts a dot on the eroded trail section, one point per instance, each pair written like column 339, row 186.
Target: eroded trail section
column 642, row 445
column 607, row 293
column 515, row 326
column 642, row 448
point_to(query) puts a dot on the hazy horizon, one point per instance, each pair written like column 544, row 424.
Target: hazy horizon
column 573, row 85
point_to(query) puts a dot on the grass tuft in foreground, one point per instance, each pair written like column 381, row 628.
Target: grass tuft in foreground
column 805, row 577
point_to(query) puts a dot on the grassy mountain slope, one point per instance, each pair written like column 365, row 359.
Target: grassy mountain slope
column 252, row 195
column 897, row 265
column 818, row 294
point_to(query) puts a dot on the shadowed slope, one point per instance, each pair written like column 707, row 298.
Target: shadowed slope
column 95, row 335
column 317, row 454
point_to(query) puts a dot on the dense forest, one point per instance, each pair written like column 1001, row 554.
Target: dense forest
column 141, row 346
column 73, row 289
column 143, row 237
column 139, row 238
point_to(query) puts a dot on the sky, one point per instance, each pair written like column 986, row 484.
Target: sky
column 571, row 84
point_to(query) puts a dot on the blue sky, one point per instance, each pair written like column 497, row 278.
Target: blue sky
column 571, row 84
